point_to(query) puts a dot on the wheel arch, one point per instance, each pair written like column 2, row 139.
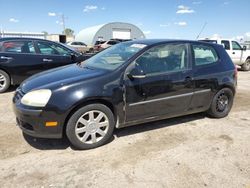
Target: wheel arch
column 229, row 86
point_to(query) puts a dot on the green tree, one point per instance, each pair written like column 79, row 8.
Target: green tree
column 45, row 33
column 68, row 32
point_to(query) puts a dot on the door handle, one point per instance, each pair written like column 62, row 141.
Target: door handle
column 7, row 58
column 47, row 60
column 233, row 53
column 188, row 79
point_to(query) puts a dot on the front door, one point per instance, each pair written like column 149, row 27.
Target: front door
column 236, row 52
column 52, row 55
column 159, row 83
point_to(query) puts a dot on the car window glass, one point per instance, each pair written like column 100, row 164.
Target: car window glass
column 114, row 57
column 226, row 44
column 211, row 41
column 112, row 42
column 164, row 58
column 52, row 49
column 19, row 47
column 81, row 43
column 61, row 50
column 236, row 46
column 204, row 55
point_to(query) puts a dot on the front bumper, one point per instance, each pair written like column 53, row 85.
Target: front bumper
column 33, row 121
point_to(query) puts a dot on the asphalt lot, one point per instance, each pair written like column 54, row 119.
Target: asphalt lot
column 190, row 151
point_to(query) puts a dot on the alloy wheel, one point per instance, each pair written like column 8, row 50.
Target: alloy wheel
column 92, row 126
column 222, row 102
column 2, row 81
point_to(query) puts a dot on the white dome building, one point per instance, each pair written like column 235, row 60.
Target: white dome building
column 114, row 30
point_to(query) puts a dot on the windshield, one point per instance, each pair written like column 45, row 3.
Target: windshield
column 114, row 56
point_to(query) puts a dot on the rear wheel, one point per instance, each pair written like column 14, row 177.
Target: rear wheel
column 246, row 65
column 91, row 126
column 222, row 103
column 4, row 81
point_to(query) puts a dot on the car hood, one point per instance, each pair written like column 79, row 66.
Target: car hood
column 61, row 76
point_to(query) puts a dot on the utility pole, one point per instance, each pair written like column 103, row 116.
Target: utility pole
column 63, row 22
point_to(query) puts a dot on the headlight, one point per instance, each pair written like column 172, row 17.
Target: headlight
column 37, row 98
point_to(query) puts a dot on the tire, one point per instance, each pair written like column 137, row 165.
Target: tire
column 221, row 104
column 4, row 81
column 246, row 65
column 90, row 126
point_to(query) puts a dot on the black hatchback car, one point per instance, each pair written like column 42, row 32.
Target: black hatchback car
column 129, row 83
column 22, row 57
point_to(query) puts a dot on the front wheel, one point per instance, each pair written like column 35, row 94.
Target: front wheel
column 246, row 65
column 91, row 126
column 221, row 103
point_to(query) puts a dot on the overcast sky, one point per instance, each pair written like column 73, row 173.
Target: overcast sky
column 157, row 18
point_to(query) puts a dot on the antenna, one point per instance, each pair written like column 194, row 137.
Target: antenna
column 203, row 27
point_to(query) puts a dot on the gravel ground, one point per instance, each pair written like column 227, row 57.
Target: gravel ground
column 190, row 151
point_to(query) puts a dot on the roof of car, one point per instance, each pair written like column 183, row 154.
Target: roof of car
column 20, row 38
column 149, row 42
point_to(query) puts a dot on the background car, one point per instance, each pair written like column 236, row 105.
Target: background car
column 80, row 47
column 22, row 57
column 127, row 84
column 239, row 55
column 105, row 44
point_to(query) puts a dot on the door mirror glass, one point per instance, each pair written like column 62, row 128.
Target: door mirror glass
column 244, row 48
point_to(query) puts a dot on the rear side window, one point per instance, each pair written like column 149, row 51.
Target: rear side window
column 18, row 47
column 204, row 55
column 226, row 44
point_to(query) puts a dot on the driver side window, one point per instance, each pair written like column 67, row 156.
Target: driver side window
column 52, row 49
column 164, row 58
column 236, row 46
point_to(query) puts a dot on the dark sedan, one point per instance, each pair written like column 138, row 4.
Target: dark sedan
column 130, row 83
column 22, row 57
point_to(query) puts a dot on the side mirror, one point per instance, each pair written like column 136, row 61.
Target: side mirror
column 73, row 57
column 136, row 73
column 244, row 48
